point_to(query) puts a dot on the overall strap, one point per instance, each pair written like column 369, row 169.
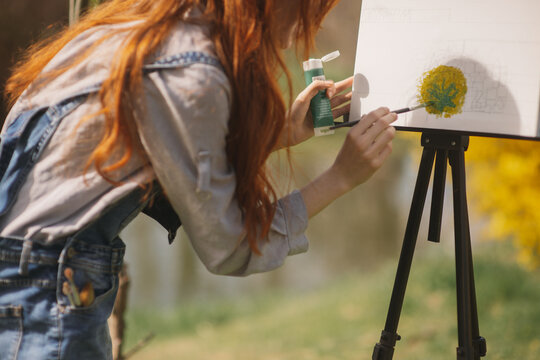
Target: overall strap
column 23, row 143
column 21, row 146
column 159, row 208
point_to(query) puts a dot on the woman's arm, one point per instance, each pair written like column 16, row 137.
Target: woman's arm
column 366, row 146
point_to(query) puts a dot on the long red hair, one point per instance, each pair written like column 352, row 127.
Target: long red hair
column 249, row 50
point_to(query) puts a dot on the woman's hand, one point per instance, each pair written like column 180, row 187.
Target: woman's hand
column 365, row 149
column 300, row 124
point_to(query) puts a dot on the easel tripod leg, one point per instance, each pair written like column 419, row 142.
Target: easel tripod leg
column 384, row 349
column 479, row 343
column 471, row 345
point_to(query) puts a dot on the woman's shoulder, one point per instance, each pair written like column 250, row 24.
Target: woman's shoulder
column 189, row 58
column 190, row 34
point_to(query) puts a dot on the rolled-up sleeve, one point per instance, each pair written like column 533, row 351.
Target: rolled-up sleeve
column 182, row 123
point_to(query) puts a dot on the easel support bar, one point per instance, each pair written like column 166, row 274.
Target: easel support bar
column 437, row 200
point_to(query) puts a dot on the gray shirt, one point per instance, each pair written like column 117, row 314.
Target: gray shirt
column 182, row 122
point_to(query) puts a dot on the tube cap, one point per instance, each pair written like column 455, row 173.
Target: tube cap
column 312, row 64
column 331, row 56
column 318, row 63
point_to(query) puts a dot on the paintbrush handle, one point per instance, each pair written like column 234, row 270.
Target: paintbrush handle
column 398, row 111
column 401, row 111
column 345, row 124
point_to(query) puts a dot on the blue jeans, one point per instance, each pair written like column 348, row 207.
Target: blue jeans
column 37, row 320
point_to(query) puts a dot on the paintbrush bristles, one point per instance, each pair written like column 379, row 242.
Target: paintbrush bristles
column 68, row 272
column 419, row 106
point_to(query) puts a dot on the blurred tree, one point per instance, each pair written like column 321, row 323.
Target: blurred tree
column 76, row 7
column 504, row 179
column 21, row 24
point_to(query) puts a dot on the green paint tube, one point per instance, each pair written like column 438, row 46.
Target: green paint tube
column 321, row 109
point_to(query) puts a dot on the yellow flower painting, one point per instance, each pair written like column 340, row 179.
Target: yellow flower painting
column 443, row 89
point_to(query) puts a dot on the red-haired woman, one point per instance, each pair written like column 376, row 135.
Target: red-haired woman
column 170, row 107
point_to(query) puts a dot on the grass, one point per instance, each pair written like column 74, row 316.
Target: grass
column 344, row 319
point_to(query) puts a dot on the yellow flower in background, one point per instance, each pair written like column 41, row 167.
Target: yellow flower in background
column 444, row 89
column 504, row 181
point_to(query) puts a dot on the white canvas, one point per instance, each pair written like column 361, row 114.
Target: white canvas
column 496, row 43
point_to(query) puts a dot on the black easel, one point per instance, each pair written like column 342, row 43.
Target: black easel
column 452, row 147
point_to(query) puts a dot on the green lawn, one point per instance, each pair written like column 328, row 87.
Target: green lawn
column 344, row 320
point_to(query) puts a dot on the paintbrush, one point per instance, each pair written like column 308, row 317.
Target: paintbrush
column 398, row 111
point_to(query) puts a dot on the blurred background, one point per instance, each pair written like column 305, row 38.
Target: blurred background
column 331, row 302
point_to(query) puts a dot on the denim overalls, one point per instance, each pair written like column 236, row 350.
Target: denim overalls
column 37, row 317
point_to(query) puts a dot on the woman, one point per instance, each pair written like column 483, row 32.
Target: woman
column 170, row 107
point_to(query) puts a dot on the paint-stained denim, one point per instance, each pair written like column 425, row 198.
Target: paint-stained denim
column 36, row 319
